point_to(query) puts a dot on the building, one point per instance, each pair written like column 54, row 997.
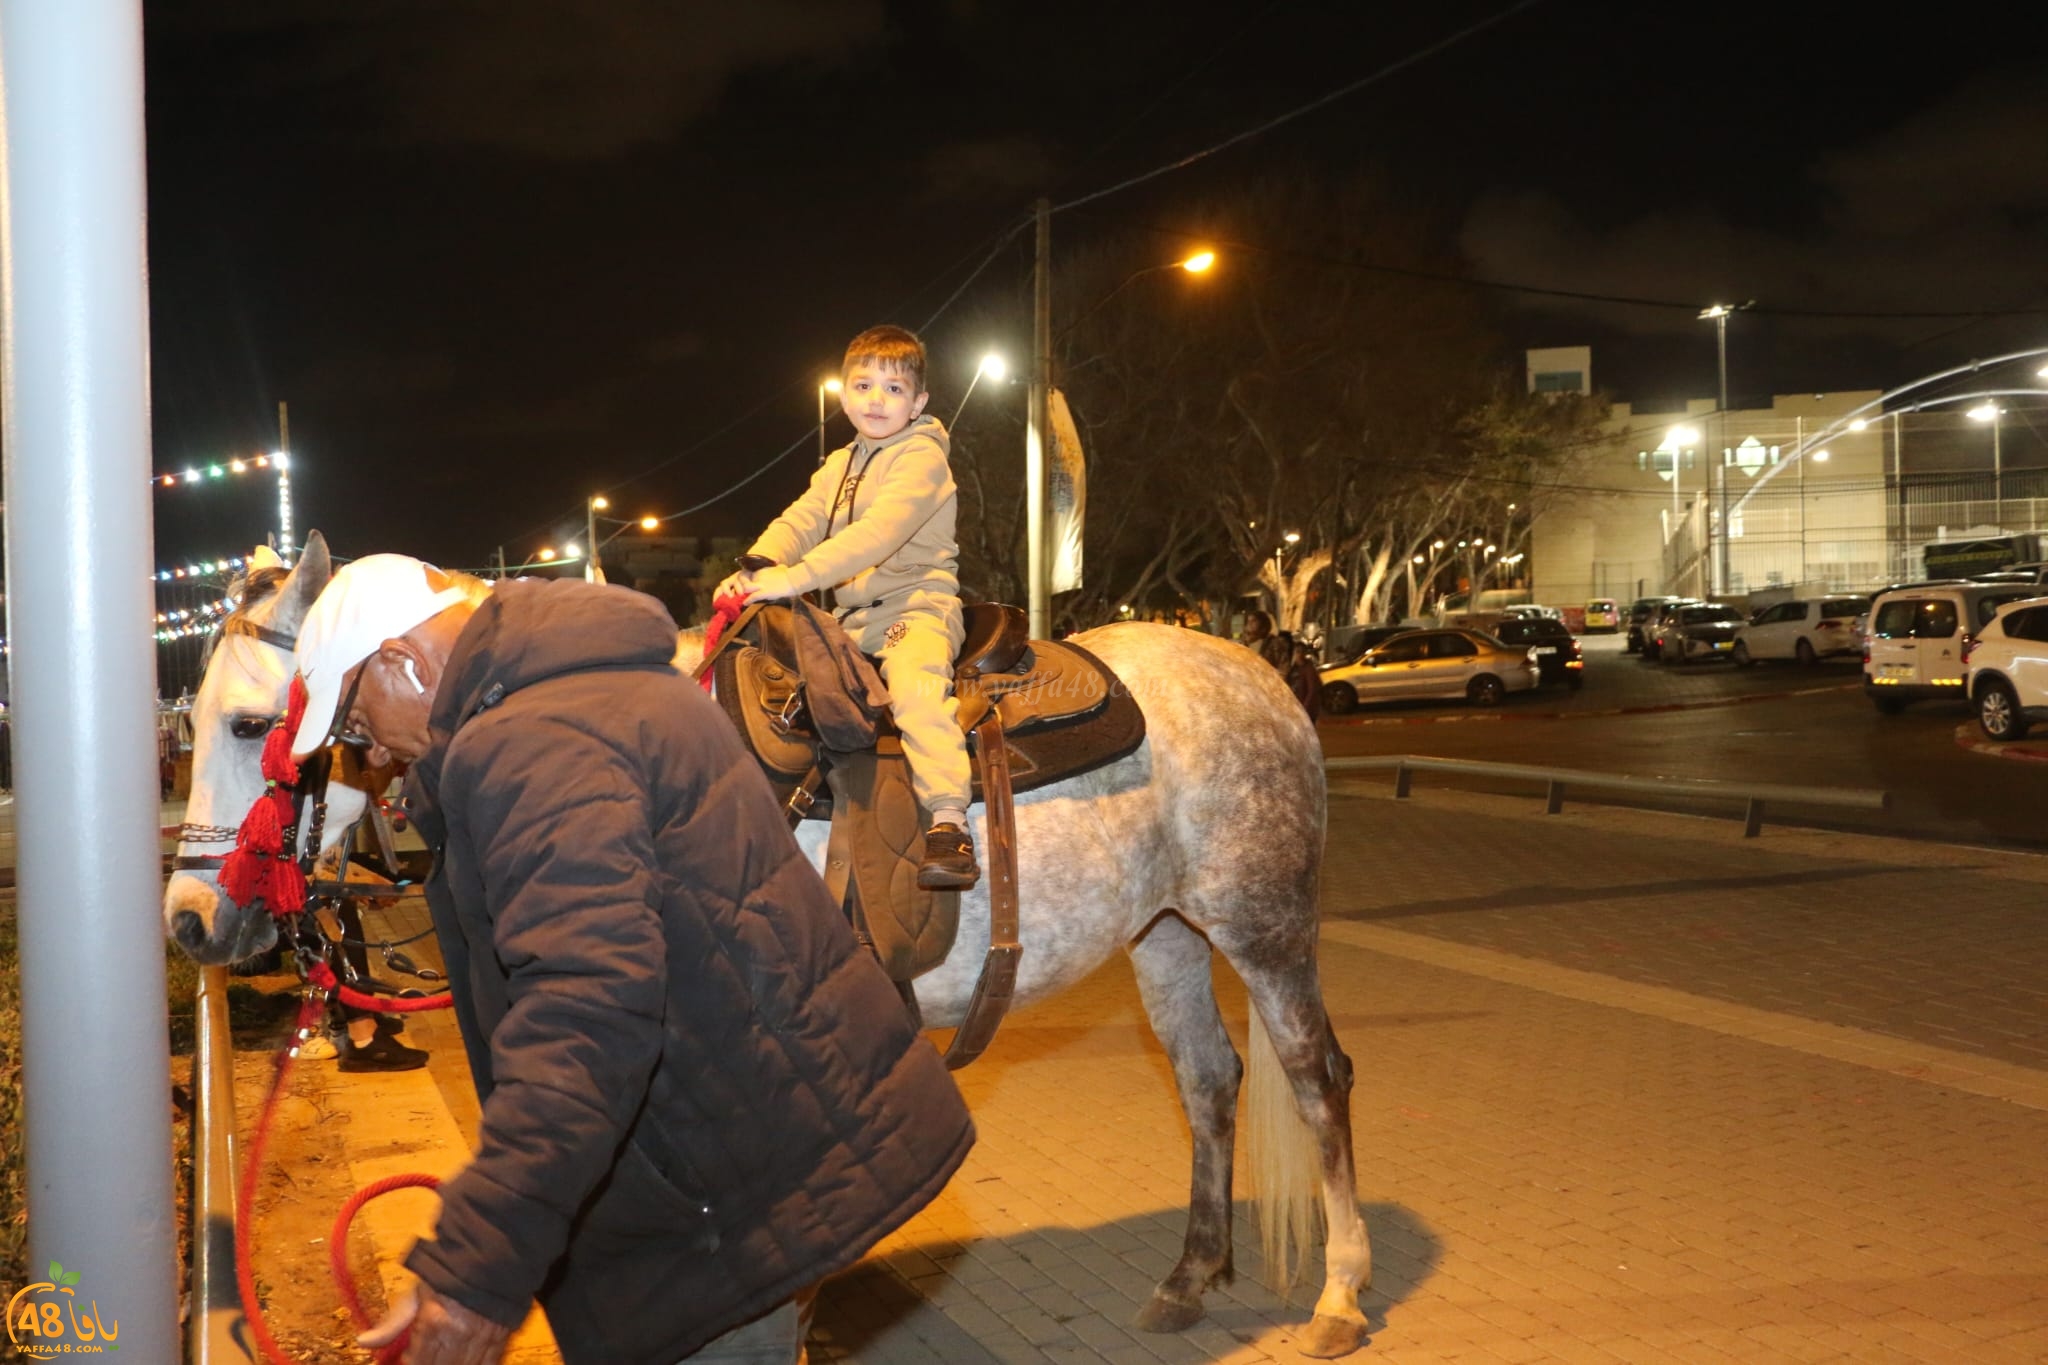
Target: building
column 1703, row 503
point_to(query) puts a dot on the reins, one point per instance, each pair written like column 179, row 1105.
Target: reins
column 272, row 864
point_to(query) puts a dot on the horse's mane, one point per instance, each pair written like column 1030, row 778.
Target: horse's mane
column 245, row 591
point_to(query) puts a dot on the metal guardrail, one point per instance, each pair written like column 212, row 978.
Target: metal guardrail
column 215, row 1331
column 1556, row 780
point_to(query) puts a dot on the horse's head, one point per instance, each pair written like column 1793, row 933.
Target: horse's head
column 241, row 695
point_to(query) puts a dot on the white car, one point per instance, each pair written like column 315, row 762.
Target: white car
column 1805, row 630
column 2006, row 670
column 1920, row 636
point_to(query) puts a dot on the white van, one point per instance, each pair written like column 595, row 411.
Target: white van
column 1920, row 636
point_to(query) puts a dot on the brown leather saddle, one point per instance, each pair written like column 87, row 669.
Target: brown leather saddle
column 1035, row 712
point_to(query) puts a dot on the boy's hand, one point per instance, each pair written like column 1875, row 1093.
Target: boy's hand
column 736, row 585
column 770, row 584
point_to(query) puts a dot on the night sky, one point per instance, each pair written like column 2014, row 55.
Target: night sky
column 497, row 256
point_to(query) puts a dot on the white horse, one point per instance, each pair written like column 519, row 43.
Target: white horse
column 1208, row 837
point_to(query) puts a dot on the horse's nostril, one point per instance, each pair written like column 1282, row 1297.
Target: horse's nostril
column 188, row 929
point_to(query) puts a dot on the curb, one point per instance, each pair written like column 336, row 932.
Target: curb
column 1590, row 715
column 1969, row 740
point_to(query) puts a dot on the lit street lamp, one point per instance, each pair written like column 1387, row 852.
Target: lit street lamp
column 1038, row 419
column 593, row 572
column 1988, row 412
column 992, row 365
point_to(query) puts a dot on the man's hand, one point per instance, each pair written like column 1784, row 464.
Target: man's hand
column 443, row 1331
column 771, row 584
column 735, row 585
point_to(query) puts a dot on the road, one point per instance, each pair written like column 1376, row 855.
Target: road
column 1771, row 723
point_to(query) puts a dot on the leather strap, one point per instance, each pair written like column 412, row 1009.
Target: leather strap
column 998, row 982
column 242, row 625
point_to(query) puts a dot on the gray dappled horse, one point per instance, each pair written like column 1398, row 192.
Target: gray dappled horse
column 1208, row 837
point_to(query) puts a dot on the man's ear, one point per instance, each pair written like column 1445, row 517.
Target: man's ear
column 406, row 659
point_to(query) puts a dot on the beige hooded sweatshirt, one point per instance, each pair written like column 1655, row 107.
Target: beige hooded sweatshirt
column 876, row 524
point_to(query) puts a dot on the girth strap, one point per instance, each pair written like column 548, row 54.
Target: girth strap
column 997, row 984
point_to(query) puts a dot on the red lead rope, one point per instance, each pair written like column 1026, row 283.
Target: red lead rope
column 724, row 611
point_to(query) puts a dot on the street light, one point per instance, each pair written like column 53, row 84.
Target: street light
column 1038, row 420
column 992, row 365
column 825, row 386
column 1988, row 412
column 650, row 523
column 593, row 572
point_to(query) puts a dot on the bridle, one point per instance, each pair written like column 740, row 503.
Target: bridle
column 312, row 780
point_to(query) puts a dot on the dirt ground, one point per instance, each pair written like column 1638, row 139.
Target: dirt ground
column 303, row 1185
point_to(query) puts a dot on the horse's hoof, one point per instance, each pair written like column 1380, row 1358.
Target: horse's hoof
column 1163, row 1314
column 1328, row 1338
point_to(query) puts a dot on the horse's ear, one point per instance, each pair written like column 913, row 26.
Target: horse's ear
column 308, row 577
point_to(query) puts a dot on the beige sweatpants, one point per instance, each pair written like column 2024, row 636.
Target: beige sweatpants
column 916, row 641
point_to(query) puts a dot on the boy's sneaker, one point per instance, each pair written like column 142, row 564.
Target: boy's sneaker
column 948, row 863
column 382, row 1053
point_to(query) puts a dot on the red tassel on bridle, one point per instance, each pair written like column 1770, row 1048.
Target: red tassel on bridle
column 724, row 611
column 261, row 867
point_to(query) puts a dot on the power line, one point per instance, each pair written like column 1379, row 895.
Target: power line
column 1419, row 55
column 1510, row 286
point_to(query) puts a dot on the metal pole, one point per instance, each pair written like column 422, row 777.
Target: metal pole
column 1799, row 446
column 821, row 422
column 284, row 483
column 591, row 572
column 1036, row 569
column 1997, row 470
column 95, row 1047
column 1899, row 476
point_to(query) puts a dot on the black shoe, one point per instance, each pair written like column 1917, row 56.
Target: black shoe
column 382, row 1053
column 948, row 863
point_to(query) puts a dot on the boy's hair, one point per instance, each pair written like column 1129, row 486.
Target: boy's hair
column 895, row 347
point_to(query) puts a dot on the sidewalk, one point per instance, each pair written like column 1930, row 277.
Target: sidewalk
column 1630, row 1088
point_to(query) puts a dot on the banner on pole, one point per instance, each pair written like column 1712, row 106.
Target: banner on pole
column 1066, row 498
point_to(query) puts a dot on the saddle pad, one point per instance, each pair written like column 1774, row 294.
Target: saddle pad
column 1066, row 716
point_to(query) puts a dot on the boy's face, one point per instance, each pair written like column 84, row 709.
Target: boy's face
column 879, row 400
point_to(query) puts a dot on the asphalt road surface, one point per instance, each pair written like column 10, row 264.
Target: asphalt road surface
column 1771, row 724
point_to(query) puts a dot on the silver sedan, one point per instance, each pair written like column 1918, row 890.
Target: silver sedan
column 1431, row 663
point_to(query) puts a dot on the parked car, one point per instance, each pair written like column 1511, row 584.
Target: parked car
column 1691, row 632
column 2035, row 572
column 1603, row 616
column 1920, row 637
column 1806, row 629
column 1530, row 611
column 1559, row 658
column 1431, row 663
column 1346, row 643
column 1643, row 613
column 2006, row 672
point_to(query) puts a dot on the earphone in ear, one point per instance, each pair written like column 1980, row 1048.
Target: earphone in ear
column 412, row 676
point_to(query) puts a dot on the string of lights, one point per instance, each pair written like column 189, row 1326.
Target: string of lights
column 201, row 567
column 187, row 622
column 205, row 473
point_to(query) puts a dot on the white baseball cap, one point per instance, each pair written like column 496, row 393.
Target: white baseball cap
column 374, row 599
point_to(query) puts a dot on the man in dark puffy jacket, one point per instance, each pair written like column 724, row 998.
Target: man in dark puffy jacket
column 700, row 1096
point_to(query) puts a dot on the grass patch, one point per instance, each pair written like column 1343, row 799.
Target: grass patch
column 253, row 1014
column 13, row 1211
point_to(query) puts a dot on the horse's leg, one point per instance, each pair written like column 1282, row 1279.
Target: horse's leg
column 1172, row 963
column 1287, row 998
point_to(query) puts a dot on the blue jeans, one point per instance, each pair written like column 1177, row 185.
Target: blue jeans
column 774, row 1339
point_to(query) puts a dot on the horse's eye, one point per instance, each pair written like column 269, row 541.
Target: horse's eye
column 250, row 727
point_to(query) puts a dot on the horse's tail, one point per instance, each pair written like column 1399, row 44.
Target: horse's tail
column 1285, row 1174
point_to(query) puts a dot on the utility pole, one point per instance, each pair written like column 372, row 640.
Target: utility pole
column 284, row 483
column 95, row 1124
column 1036, row 431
